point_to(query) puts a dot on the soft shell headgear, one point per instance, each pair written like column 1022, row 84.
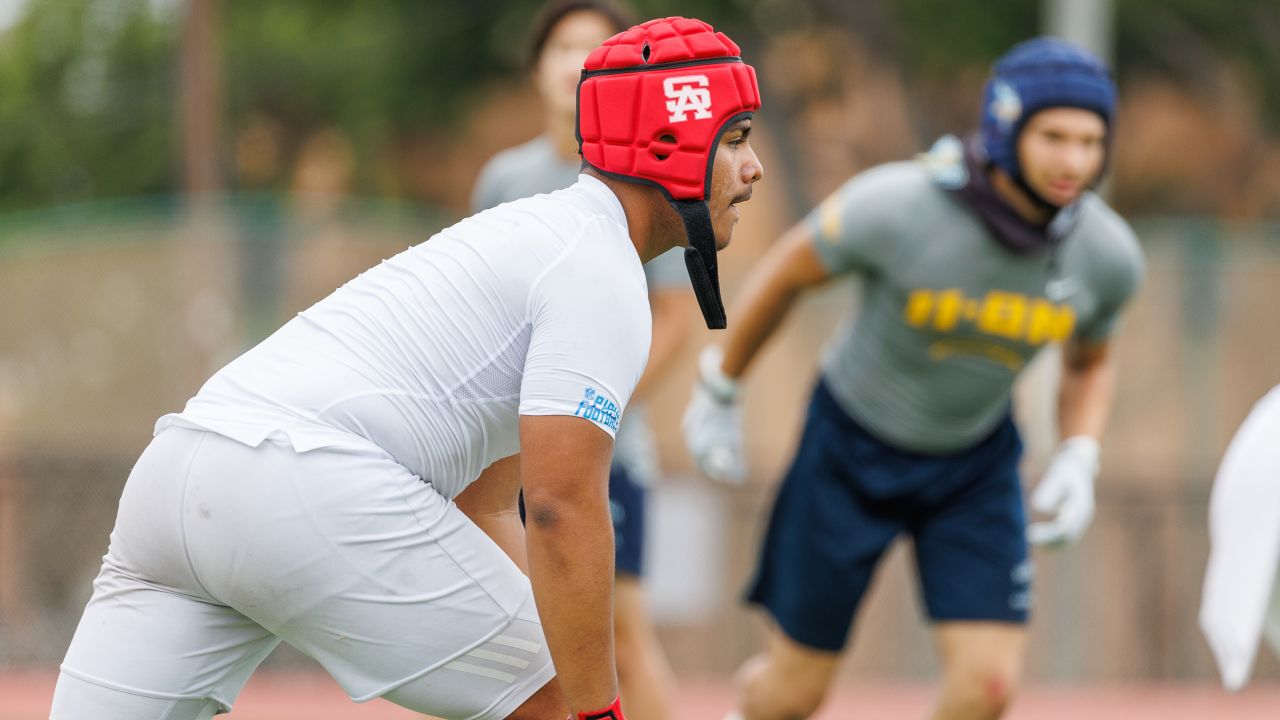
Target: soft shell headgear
column 1035, row 75
column 652, row 104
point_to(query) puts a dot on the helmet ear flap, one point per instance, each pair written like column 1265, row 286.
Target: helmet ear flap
column 663, row 147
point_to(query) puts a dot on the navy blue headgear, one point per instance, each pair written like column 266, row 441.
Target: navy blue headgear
column 1035, row 75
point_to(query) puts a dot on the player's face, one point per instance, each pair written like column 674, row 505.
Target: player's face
column 560, row 65
column 1061, row 151
column 735, row 170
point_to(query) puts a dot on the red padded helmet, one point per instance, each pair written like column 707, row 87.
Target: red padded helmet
column 652, row 104
column 654, row 98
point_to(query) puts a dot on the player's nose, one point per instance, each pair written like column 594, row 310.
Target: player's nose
column 1078, row 158
column 752, row 168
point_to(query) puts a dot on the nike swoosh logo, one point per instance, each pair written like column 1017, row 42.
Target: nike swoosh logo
column 1057, row 290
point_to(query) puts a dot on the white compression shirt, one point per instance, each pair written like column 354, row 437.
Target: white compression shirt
column 536, row 307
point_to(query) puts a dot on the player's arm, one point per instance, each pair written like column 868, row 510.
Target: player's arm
column 1085, row 397
column 712, row 422
column 492, row 502
column 1084, row 402
column 589, row 341
column 565, row 469
column 852, row 231
column 790, row 267
column 673, row 311
column 1087, row 389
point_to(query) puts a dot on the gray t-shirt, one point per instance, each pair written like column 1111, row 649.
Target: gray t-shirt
column 534, row 168
column 949, row 316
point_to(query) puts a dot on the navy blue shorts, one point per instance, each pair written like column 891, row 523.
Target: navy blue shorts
column 626, row 506
column 846, row 498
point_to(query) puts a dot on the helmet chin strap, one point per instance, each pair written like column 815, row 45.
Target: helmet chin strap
column 700, row 260
column 1035, row 197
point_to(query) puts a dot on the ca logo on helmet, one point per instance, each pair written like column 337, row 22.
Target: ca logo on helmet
column 687, row 93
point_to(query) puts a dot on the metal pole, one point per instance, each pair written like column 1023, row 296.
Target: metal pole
column 199, row 102
column 1089, row 23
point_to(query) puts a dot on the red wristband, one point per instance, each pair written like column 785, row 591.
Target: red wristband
column 613, row 712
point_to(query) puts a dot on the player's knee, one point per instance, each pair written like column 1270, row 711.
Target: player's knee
column 806, row 700
column 770, row 691
column 800, row 705
column 987, row 693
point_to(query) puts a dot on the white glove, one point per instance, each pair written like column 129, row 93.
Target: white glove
column 1067, row 491
column 713, row 422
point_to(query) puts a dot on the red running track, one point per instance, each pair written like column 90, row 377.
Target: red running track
column 293, row 696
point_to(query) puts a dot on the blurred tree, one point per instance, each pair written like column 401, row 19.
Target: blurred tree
column 941, row 39
column 379, row 71
column 372, row 70
column 1193, row 42
column 88, row 88
column 86, row 103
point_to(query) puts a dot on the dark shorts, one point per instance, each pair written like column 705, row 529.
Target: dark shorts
column 626, row 506
column 846, row 498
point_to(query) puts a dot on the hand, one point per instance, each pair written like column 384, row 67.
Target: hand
column 1066, row 490
column 713, row 422
column 613, row 712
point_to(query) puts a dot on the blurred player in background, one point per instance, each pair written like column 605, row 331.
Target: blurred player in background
column 971, row 260
column 1241, row 602
column 564, row 33
column 306, row 492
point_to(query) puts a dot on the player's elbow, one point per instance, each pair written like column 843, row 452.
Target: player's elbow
column 556, row 511
column 544, row 513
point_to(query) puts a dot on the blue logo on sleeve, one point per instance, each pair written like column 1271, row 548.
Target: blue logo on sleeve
column 598, row 409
